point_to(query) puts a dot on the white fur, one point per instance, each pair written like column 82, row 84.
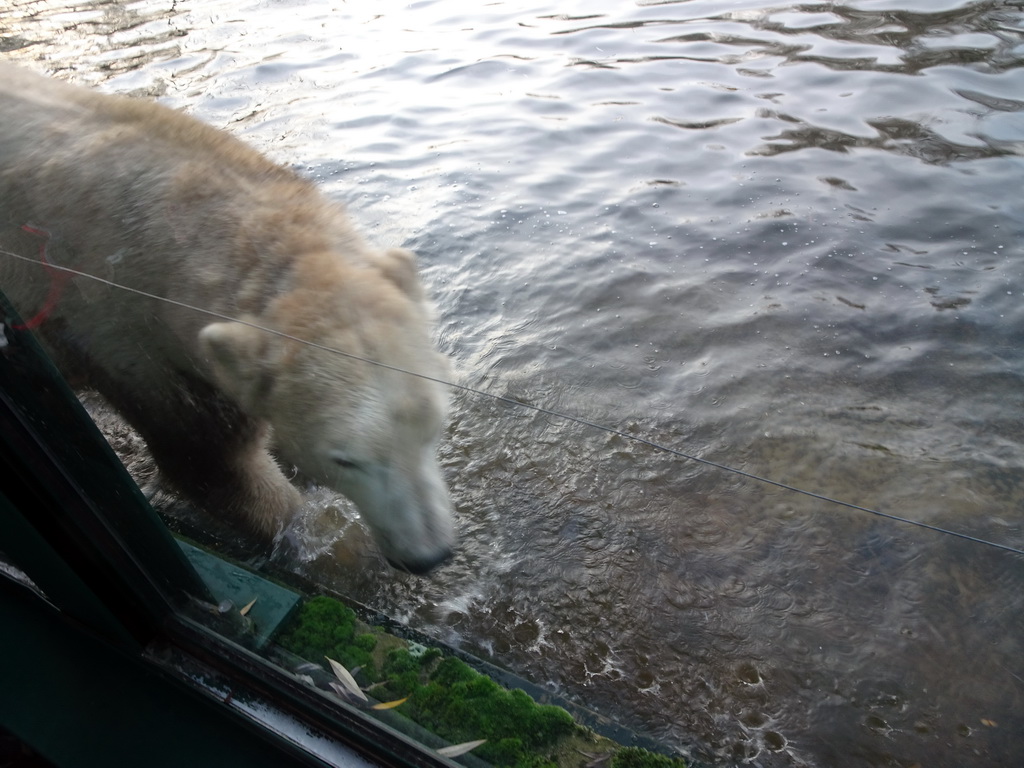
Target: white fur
column 146, row 197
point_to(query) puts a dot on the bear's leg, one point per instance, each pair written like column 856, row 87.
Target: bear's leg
column 208, row 450
column 225, row 470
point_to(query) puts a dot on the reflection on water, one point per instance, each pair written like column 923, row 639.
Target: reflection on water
column 112, row 36
column 786, row 239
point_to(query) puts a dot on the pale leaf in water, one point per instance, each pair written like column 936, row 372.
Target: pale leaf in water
column 459, row 749
column 346, row 679
column 390, row 704
column 345, row 692
column 248, row 606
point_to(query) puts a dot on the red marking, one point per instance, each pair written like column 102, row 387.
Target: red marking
column 58, row 279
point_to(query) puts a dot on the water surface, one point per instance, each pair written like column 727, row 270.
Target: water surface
column 782, row 238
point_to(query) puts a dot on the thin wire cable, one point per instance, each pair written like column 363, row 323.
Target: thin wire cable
column 545, row 411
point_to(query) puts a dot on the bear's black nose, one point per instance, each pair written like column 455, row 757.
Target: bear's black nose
column 420, row 567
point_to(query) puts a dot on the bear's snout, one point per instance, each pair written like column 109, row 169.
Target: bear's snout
column 421, row 567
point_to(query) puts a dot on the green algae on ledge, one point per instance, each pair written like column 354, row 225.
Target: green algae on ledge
column 449, row 698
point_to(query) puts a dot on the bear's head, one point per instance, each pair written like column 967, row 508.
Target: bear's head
column 358, row 404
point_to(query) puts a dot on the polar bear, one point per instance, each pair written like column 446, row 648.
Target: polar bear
column 306, row 336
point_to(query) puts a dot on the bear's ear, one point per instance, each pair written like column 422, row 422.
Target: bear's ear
column 399, row 266
column 236, row 354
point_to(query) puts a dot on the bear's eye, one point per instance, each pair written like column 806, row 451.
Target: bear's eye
column 344, row 462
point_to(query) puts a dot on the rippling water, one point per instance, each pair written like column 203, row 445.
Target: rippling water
column 782, row 238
